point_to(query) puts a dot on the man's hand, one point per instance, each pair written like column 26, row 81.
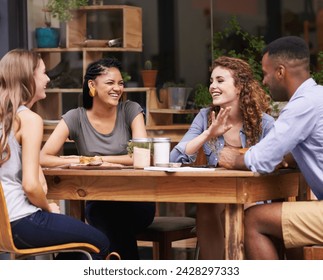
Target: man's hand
column 287, row 162
column 231, row 158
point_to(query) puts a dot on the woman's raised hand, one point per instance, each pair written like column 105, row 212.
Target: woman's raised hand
column 219, row 125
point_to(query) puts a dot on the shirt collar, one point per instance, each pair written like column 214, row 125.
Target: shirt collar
column 307, row 83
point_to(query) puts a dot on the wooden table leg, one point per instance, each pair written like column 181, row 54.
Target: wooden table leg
column 234, row 232
column 76, row 209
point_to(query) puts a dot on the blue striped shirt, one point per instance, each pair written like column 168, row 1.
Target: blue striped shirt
column 299, row 130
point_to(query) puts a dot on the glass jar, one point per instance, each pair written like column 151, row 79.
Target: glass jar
column 161, row 148
column 141, row 152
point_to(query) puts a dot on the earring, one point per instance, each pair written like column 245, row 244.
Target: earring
column 92, row 92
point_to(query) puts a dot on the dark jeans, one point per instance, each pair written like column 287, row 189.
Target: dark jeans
column 44, row 229
column 121, row 221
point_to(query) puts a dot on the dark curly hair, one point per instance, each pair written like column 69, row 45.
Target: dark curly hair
column 93, row 70
column 253, row 98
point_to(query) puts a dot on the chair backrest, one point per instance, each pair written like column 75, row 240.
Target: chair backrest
column 6, row 240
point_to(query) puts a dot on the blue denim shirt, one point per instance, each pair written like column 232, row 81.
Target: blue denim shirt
column 299, row 130
column 200, row 124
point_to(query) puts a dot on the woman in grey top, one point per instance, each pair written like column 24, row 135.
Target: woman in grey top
column 103, row 127
column 34, row 221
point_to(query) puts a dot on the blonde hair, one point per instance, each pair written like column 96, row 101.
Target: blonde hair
column 253, row 99
column 17, row 87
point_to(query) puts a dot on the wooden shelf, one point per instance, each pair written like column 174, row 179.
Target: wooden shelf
column 174, row 135
column 159, row 118
column 73, row 90
column 85, row 49
column 63, row 90
column 57, row 50
column 105, row 7
column 129, row 20
column 138, row 89
column 173, row 131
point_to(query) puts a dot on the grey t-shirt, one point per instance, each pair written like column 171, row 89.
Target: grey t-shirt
column 89, row 142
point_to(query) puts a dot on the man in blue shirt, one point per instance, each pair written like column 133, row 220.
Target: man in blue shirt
column 299, row 131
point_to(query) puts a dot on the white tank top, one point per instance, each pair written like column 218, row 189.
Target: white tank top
column 11, row 179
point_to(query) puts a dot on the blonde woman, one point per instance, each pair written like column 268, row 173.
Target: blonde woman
column 34, row 221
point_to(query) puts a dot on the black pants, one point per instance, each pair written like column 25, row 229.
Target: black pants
column 121, row 221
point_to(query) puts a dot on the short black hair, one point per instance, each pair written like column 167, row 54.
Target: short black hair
column 289, row 47
column 93, row 70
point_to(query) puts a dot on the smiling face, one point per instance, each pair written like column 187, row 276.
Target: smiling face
column 222, row 88
column 109, row 86
column 41, row 80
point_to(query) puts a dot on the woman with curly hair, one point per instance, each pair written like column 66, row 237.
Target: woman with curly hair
column 237, row 118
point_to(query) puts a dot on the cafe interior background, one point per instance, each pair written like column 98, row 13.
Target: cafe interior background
column 177, row 36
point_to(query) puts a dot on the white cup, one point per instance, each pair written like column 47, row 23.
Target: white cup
column 161, row 147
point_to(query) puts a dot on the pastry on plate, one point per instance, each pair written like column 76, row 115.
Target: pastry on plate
column 96, row 160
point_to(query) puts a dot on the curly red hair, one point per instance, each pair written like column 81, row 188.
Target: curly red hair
column 253, row 98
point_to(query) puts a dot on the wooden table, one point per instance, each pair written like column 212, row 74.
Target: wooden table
column 232, row 187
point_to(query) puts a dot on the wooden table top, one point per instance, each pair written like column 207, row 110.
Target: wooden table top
column 219, row 186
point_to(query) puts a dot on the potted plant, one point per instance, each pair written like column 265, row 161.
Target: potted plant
column 202, row 96
column 149, row 75
column 61, row 9
column 177, row 95
column 125, row 76
column 49, row 37
column 317, row 73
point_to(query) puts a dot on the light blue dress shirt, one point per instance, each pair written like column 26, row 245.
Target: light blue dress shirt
column 200, row 124
column 299, row 130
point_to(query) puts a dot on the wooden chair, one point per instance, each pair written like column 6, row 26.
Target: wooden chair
column 166, row 229
column 313, row 252
column 7, row 245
